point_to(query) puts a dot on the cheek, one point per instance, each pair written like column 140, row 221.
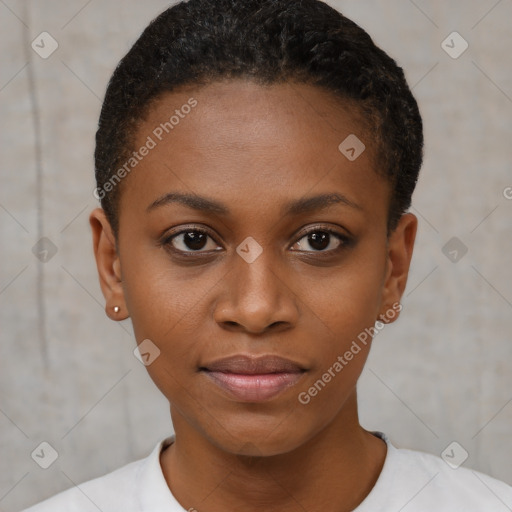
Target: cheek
column 173, row 305
column 346, row 301
column 160, row 297
column 169, row 305
column 345, row 317
column 344, row 311
column 164, row 309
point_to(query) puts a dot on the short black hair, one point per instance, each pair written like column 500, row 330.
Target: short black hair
column 198, row 42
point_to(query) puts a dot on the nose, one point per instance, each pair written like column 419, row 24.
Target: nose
column 256, row 298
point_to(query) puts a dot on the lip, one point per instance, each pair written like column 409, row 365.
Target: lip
column 253, row 379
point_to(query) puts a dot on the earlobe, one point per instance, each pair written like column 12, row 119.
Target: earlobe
column 108, row 265
column 390, row 314
column 400, row 250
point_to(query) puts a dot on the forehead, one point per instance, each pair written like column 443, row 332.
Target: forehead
column 302, row 110
column 235, row 139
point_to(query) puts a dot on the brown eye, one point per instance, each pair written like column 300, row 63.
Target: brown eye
column 322, row 240
column 191, row 240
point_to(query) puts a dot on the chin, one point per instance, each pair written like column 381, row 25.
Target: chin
column 251, row 441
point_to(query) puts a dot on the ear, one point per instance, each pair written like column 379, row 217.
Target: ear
column 400, row 248
column 108, row 264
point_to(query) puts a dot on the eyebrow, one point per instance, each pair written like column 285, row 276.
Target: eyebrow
column 296, row 207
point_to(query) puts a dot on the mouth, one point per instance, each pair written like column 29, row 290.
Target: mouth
column 253, row 379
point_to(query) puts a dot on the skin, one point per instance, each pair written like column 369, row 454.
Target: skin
column 255, row 148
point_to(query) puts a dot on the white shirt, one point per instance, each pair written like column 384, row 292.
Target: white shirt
column 410, row 481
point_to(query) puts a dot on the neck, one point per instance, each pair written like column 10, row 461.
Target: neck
column 334, row 470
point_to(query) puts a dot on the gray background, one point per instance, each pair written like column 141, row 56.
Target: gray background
column 68, row 374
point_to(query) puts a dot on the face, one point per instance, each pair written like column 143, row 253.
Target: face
column 253, row 254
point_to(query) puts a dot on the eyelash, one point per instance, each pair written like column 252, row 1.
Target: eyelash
column 345, row 241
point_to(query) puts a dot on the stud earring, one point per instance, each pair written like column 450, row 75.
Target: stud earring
column 116, row 309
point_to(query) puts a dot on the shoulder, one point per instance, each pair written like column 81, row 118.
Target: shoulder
column 429, row 482
column 111, row 492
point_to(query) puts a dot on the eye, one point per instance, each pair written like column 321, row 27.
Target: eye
column 322, row 240
column 191, row 240
column 195, row 240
